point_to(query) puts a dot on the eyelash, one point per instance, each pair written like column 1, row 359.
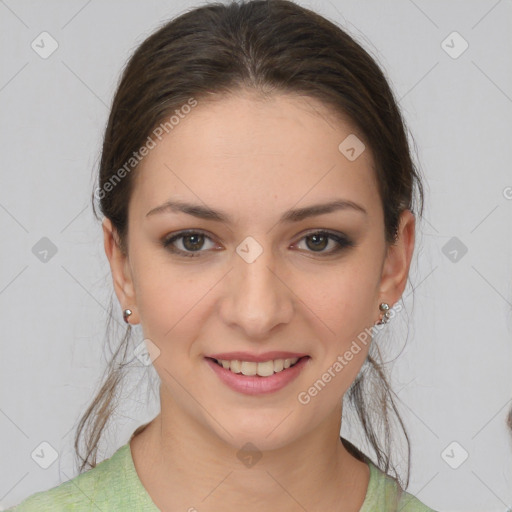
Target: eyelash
column 342, row 241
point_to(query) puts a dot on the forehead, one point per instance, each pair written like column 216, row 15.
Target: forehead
column 247, row 151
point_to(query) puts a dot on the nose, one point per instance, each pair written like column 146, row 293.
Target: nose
column 256, row 298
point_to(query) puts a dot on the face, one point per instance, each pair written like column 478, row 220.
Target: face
column 265, row 272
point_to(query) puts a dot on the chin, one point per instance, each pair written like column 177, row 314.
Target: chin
column 263, row 435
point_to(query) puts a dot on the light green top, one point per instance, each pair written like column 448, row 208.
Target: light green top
column 114, row 485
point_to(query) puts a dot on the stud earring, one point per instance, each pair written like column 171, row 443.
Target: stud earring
column 126, row 314
column 385, row 315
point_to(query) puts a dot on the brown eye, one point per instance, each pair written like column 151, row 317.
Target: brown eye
column 318, row 241
column 192, row 243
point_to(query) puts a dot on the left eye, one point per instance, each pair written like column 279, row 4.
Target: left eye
column 319, row 240
column 192, row 242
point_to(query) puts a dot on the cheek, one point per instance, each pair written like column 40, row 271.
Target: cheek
column 167, row 306
column 174, row 302
column 165, row 295
column 346, row 307
column 345, row 298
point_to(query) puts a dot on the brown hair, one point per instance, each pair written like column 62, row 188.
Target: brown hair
column 260, row 45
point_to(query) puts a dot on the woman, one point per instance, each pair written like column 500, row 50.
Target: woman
column 258, row 195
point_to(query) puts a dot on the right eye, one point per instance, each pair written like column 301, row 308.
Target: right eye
column 192, row 241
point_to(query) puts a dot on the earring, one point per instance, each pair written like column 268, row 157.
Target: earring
column 126, row 314
column 385, row 315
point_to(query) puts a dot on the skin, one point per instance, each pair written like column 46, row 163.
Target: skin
column 254, row 158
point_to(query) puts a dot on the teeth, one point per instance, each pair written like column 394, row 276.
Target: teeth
column 263, row 369
column 234, row 365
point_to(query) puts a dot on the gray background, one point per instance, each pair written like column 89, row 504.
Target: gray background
column 453, row 377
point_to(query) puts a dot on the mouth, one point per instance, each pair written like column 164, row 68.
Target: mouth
column 252, row 378
column 259, row 369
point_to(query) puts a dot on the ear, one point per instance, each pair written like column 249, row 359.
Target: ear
column 120, row 268
column 398, row 260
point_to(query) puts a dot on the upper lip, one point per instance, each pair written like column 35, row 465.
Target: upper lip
column 256, row 358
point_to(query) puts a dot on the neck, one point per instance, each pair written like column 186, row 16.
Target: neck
column 185, row 466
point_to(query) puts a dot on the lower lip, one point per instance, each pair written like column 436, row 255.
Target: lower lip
column 254, row 384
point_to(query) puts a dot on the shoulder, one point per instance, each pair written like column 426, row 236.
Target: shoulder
column 383, row 495
column 104, row 487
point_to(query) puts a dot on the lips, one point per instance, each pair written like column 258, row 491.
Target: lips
column 256, row 385
column 256, row 358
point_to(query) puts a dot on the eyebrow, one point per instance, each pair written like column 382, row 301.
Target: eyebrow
column 293, row 215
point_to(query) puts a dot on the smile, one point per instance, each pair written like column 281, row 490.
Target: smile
column 263, row 369
column 245, row 376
